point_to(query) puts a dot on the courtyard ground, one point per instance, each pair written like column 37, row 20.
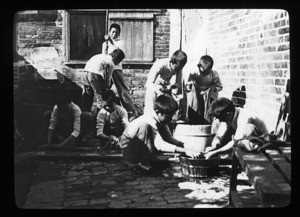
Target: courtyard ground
column 86, row 177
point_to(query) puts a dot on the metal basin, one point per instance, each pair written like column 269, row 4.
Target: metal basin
column 196, row 137
column 199, row 167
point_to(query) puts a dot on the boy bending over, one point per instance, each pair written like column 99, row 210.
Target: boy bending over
column 112, row 120
column 66, row 122
column 233, row 126
column 149, row 134
column 98, row 76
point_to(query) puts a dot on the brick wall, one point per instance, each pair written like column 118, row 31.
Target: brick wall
column 162, row 35
column 251, row 47
column 38, row 38
column 136, row 74
column 39, row 41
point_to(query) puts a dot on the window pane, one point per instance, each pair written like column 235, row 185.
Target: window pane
column 86, row 34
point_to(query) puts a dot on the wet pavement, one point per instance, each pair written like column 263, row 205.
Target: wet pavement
column 84, row 177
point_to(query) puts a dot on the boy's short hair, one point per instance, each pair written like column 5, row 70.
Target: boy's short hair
column 117, row 55
column 116, row 26
column 62, row 97
column 179, row 57
column 109, row 94
column 165, row 104
column 208, row 58
column 220, row 107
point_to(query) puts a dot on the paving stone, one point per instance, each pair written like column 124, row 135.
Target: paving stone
column 73, row 194
column 109, row 182
column 139, row 205
column 75, row 203
column 72, row 173
column 157, row 204
column 191, row 204
column 169, row 181
column 97, row 183
column 175, row 205
column 177, row 199
column 130, row 196
column 43, row 206
column 98, row 193
column 142, row 198
column 133, row 183
column 71, row 179
column 152, row 182
column 150, row 191
column 115, row 194
column 143, row 186
column 76, row 182
column 119, row 187
column 85, row 178
column 39, row 204
column 171, row 190
column 50, row 184
column 118, row 205
column 99, row 201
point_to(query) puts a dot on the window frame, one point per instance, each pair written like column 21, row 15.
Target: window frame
column 111, row 16
column 66, row 34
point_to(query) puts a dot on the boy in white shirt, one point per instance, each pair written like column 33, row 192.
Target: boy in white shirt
column 233, row 126
column 112, row 42
column 99, row 69
column 112, row 120
column 149, row 134
column 160, row 75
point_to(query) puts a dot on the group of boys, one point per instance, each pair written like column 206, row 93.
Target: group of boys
column 144, row 137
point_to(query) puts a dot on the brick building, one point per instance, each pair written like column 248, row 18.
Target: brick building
column 250, row 47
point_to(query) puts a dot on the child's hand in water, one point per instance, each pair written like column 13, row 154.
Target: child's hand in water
column 113, row 140
column 192, row 153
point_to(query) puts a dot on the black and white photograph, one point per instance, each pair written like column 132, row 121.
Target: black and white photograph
column 152, row 108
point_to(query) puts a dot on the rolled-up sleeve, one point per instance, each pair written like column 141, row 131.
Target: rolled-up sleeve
column 152, row 76
column 53, row 120
column 100, row 122
column 124, row 117
column 162, row 145
column 77, row 122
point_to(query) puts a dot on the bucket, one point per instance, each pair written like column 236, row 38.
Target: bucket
column 196, row 137
column 199, row 167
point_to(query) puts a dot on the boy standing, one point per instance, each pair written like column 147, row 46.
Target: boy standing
column 98, row 77
column 158, row 81
column 112, row 119
column 112, row 42
column 233, row 125
column 201, row 87
column 149, row 134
